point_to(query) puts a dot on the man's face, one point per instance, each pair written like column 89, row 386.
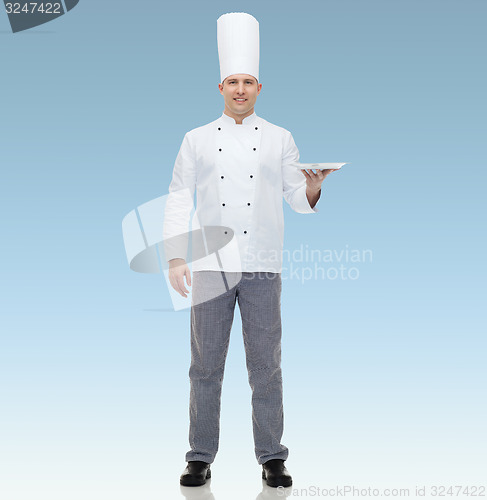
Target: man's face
column 240, row 93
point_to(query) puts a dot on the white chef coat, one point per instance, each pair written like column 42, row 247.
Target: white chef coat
column 241, row 173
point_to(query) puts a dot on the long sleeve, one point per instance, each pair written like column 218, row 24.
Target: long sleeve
column 179, row 203
column 293, row 180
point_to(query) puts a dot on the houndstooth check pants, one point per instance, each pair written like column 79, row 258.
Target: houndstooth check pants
column 214, row 294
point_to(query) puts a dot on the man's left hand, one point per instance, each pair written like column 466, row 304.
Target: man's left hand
column 314, row 180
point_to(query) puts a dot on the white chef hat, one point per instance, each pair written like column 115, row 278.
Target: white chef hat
column 238, row 44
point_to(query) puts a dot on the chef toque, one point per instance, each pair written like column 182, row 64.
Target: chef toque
column 238, row 44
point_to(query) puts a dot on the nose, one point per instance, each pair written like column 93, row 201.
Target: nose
column 240, row 88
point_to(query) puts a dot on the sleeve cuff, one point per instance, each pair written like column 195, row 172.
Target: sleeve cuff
column 301, row 203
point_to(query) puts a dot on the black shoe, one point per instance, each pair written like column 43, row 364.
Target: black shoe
column 195, row 474
column 276, row 474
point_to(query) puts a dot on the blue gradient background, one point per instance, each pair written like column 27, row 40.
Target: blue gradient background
column 384, row 375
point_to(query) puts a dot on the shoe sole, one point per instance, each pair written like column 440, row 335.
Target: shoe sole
column 191, row 481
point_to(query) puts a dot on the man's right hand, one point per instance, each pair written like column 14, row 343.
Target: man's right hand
column 178, row 269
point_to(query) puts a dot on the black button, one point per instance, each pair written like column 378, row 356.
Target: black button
column 225, row 232
column 251, row 176
column 255, row 149
column 220, row 149
column 223, row 204
column 248, row 204
column 219, row 128
column 245, row 232
column 222, row 176
column 256, row 128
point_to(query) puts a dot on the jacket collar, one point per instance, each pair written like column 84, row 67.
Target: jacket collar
column 249, row 120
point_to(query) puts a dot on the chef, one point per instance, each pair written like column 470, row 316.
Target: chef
column 241, row 167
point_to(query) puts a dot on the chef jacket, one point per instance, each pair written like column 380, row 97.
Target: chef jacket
column 241, row 173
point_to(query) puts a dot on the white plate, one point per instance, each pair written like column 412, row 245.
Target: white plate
column 319, row 166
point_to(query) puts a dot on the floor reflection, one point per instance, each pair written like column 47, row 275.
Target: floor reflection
column 269, row 492
column 204, row 492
